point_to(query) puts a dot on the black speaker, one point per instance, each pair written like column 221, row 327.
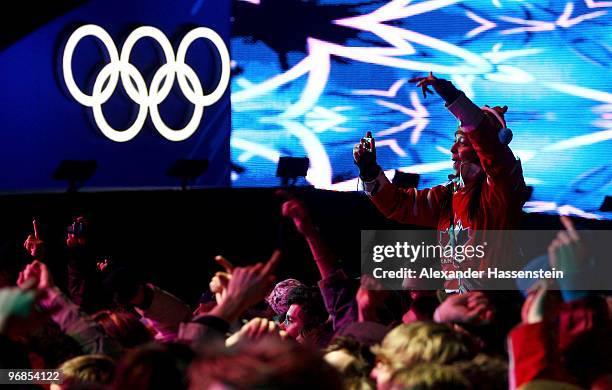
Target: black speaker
column 290, row 168
column 406, row 180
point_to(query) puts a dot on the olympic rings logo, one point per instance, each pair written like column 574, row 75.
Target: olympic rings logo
column 134, row 84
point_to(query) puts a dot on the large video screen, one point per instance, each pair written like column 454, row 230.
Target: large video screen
column 311, row 77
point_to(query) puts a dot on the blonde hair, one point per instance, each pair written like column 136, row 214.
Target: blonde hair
column 89, row 369
column 423, row 342
column 429, row 376
column 542, row 384
column 484, row 372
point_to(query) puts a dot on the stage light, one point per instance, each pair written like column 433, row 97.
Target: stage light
column 187, row 171
column 290, row 168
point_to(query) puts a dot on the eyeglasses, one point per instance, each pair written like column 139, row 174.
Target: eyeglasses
column 288, row 320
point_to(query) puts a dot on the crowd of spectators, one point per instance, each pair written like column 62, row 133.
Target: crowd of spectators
column 105, row 328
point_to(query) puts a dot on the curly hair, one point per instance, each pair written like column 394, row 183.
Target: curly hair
column 313, row 308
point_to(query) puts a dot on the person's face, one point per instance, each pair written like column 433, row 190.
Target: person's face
column 381, row 373
column 462, row 151
column 294, row 321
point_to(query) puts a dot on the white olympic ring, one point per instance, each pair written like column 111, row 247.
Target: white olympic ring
column 134, row 83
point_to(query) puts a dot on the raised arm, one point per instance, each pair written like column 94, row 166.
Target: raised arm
column 337, row 289
column 532, row 347
column 245, row 287
column 71, row 320
column 411, row 206
column 485, row 128
column 322, row 255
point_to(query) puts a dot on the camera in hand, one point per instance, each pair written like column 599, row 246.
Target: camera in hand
column 367, row 144
column 78, row 228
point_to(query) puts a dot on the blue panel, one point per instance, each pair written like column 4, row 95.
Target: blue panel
column 43, row 124
column 312, row 76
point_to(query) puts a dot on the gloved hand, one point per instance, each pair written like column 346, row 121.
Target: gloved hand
column 364, row 155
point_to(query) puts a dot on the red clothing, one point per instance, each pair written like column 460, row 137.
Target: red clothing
column 539, row 352
column 501, row 195
column 533, row 355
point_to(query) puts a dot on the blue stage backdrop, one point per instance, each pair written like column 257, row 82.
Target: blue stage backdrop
column 311, row 77
column 43, row 122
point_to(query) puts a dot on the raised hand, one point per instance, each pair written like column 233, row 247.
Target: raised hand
column 469, row 308
column 246, row 287
column 296, row 210
column 252, row 284
column 364, row 155
column 365, row 147
column 425, row 82
column 567, row 251
column 17, row 304
column 219, row 282
column 225, row 263
column 77, row 238
column 442, row 87
column 34, row 243
column 35, row 275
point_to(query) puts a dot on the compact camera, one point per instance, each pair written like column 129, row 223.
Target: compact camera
column 78, row 228
column 367, row 145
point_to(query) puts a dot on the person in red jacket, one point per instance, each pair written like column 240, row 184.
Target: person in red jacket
column 565, row 336
column 486, row 190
